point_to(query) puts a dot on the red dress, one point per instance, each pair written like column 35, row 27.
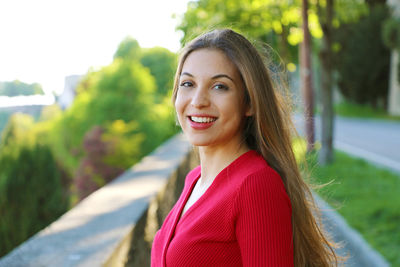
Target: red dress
column 243, row 219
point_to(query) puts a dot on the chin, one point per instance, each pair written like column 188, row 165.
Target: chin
column 199, row 141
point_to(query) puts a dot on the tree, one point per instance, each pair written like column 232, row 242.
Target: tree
column 391, row 37
column 330, row 11
column 363, row 70
column 31, row 194
column 275, row 22
column 162, row 65
column 306, row 80
column 325, row 56
column 16, row 88
column 128, row 49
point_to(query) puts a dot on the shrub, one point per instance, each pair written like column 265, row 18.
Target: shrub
column 93, row 172
column 31, row 194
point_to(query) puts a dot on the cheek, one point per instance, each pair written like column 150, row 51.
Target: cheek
column 179, row 106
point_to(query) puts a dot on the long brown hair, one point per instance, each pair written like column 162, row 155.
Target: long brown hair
column 269, row 132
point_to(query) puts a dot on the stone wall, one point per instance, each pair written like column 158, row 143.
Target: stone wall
column 146, row 228
column 115, row 225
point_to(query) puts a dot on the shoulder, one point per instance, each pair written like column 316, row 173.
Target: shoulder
column 257, row 180
column 251, row 167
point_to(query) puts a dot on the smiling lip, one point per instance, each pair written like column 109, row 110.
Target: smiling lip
column 201, row 125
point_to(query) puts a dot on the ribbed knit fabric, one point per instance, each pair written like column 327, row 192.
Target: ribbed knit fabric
column 243, row 219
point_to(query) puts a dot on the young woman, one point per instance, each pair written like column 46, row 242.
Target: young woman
column 246, row 204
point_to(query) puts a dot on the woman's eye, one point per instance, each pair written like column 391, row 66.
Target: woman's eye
column 186, row 84
column 221, row 87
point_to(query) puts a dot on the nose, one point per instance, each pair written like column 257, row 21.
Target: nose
column 200, row 98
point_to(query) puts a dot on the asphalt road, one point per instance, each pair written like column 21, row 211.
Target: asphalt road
column 377, row 141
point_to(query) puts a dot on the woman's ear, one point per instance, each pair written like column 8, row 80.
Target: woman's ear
column 249, row 111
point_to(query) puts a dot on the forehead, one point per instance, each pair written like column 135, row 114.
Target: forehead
column 206, row 62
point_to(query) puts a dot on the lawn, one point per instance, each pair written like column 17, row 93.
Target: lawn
column 366, row 196
column 346, row 109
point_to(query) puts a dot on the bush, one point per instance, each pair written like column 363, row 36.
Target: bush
column 93, row 172
column 31, row 194
column 363, row 61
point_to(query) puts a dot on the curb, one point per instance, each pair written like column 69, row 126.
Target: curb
column 359, row 252
column 377, row 160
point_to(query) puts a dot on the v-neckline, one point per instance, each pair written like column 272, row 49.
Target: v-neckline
column 187, row 196
column 179, row 217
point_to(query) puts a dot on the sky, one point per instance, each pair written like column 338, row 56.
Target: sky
column 45, row 40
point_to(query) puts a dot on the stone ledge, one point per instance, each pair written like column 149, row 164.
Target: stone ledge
column 92, row 232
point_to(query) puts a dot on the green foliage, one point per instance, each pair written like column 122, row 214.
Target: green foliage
column 271, row 21
column 16, row 87
column 4, row 115
column 275, row 22
column 31, row 194
column 162, row 65
column 16, row 131
column 349, row 11
column 362, row 61
column 391, row 33
column 128, row 49
column 123, row 91
column 124, row 141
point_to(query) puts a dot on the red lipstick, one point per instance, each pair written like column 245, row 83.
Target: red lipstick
column 200, row 125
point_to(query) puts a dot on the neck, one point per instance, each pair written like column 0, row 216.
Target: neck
column 213, row 160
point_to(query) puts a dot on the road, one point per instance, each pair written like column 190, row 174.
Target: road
column 377, row 141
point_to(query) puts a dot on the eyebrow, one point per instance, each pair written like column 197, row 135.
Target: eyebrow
column 213, row 77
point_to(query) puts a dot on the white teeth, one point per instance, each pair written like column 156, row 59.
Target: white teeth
column 202, row 119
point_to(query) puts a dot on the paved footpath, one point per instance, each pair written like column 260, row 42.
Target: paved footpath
column 376, row 141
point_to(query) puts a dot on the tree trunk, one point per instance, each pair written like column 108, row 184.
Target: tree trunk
column 306, row 79
column 394, row 82
column 284, row 48
column 327, row 114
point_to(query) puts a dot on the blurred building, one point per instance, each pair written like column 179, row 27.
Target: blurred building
column 68, row 95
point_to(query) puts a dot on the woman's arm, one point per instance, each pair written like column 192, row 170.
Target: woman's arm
column 263, row 221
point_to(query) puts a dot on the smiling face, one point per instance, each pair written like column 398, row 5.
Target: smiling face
column 210, row 100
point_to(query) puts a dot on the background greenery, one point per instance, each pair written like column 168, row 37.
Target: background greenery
column 16, row 88
column 121, row 113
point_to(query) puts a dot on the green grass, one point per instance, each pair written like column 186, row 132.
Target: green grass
column 366, row 196
column 347, row 109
